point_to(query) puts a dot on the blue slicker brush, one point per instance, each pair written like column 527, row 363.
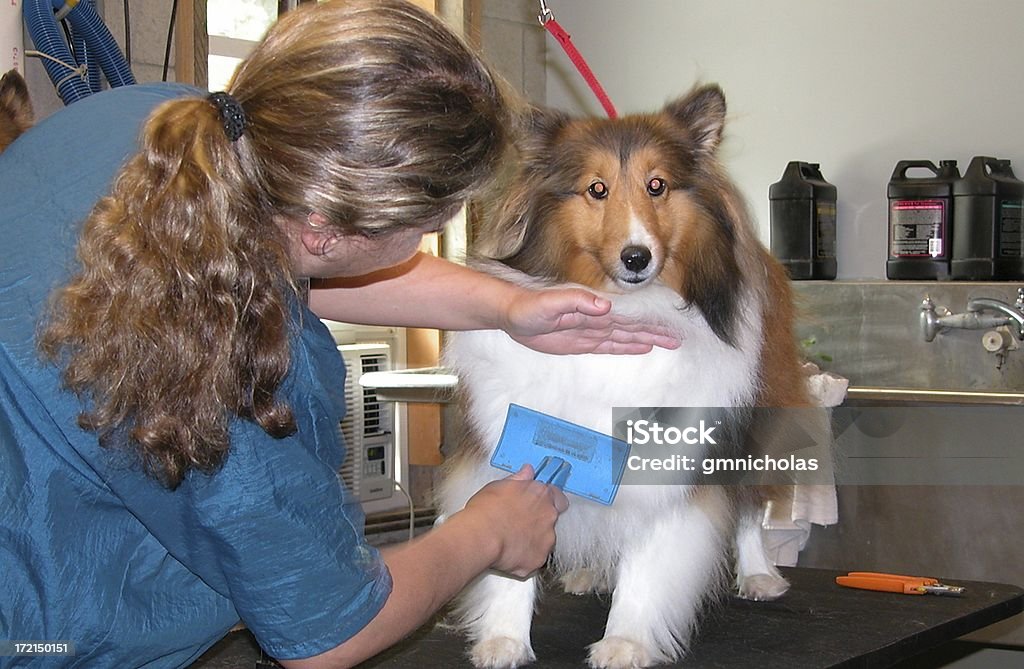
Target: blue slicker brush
column 577, row 459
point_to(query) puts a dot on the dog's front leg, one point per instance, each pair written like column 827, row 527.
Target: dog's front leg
column 757, row 578
column 497, row 612
column 662, row 583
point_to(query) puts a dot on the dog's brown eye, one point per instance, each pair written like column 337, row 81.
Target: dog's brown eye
column 598, row 190
column 656, row 186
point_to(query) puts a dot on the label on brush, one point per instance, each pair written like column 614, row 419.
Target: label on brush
column 566, row 439
column 597, row 460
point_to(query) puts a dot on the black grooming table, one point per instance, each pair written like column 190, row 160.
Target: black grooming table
column 816, row 624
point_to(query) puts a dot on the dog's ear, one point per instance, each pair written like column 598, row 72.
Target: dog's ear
column 538, row 129
column 702, row 112
column 523, row 197
column 14, row 100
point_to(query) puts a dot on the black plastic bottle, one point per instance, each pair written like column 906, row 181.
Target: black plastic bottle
column 920, row 220
column 987, row 223
column 803, row 222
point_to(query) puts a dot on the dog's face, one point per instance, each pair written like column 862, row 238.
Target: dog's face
column 15, row 108
column 618, row 204
column 629, row 211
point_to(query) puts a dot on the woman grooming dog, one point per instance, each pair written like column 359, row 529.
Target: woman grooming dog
column 169, row 405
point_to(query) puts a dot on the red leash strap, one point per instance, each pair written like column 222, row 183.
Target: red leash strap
column 547, row 19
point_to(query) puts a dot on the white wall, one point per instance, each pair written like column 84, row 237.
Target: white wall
column 852, row 85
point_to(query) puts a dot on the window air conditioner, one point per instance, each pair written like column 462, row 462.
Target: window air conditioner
column 373, row 430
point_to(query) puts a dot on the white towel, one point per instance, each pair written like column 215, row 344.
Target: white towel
column 787, row 522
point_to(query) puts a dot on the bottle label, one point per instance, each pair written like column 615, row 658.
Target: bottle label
column 826, row 232
column 917, row 228
column 1010, row 230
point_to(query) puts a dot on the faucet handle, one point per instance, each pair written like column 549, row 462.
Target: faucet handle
column 928, row 319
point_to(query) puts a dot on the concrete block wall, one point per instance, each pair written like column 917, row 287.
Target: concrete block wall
column 514, row 43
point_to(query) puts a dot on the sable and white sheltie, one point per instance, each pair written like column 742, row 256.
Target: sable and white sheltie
column 640, row 210
column 15, row 108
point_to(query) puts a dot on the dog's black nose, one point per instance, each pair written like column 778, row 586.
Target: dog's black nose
column 636, row 258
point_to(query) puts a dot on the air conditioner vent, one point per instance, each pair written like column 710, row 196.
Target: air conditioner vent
column 368, row 426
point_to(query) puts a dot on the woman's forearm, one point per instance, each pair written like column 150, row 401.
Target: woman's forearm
column 425, row 573
column 426, row 291
column 508, row 525
column 430, row 292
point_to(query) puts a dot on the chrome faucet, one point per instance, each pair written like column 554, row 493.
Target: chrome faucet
column 1014, row 312
column 1011, row 316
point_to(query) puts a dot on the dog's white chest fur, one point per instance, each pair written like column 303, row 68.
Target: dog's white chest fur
column 495, row 371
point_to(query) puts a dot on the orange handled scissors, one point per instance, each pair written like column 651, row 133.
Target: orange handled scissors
column 906, row 585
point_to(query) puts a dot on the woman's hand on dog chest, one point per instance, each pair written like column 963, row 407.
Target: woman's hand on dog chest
column 573, row 320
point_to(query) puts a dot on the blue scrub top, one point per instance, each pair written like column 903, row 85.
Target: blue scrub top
column 92, row 550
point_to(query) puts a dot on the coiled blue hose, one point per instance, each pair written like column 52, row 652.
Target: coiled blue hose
column 86, row 23
column 48, row 39
column 88, row 29
column 81, row 52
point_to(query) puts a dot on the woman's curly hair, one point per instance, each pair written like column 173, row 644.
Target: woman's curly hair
column 369, row 112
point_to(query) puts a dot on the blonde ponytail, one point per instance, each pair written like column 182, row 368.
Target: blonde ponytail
column 368, row 112
column 179, row 316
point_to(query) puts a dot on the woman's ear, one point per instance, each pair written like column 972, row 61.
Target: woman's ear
column 316, row 236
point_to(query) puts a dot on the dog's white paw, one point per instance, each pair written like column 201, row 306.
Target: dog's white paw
column 616, row 652
column 762, row 587
column 500, row 652
column 583, row 581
